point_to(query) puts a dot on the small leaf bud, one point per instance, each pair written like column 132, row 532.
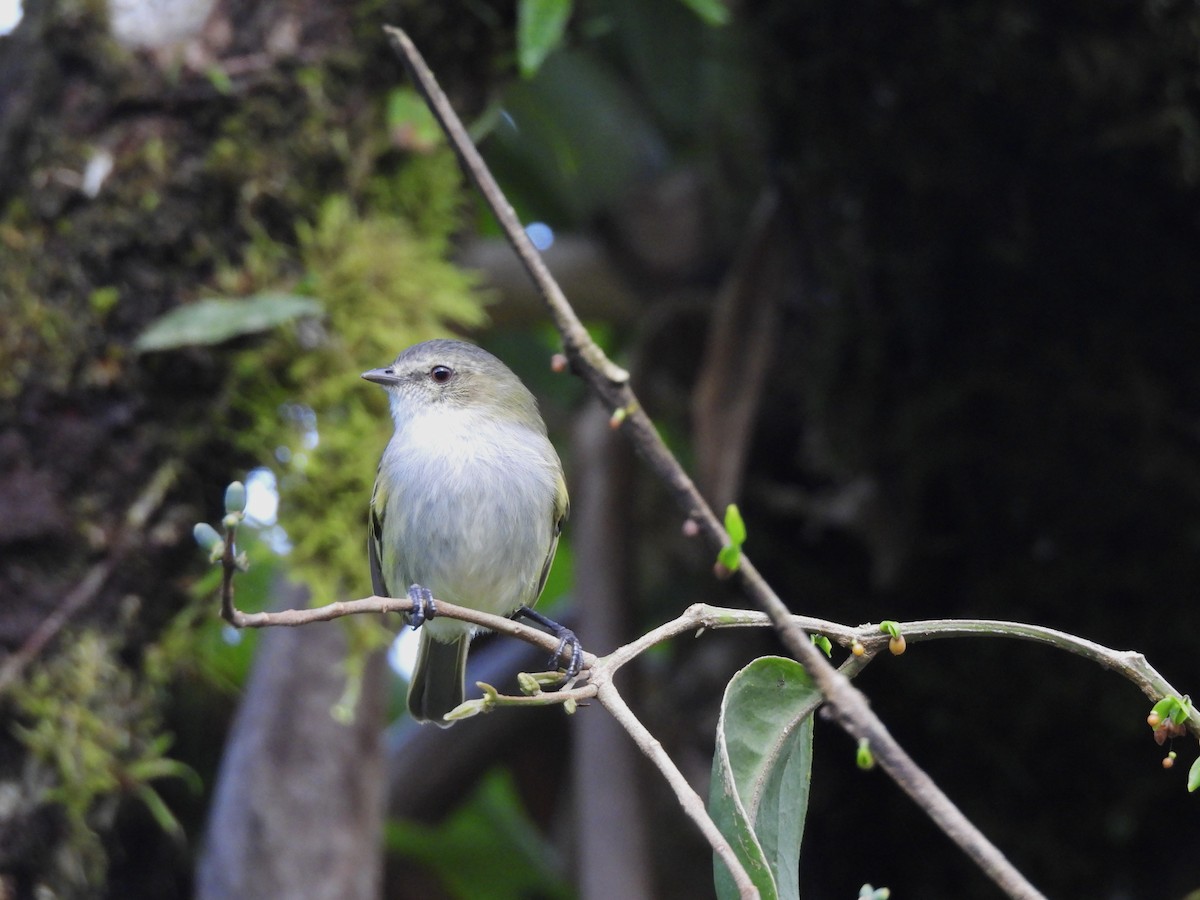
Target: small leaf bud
column 235, row 498
column 864, row 758
column 206, row 536
column 468, row 709
column 528, row 684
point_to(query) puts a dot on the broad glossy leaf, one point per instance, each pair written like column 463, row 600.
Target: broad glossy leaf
column 759, row 790
column 540, row 28
column 213, row 321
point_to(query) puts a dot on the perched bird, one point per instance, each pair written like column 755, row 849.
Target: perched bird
column 468, row 504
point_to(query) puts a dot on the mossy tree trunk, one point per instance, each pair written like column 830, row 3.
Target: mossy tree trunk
column 133, row 180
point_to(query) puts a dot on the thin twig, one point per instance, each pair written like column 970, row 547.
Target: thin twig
column 851, row 709
column 292, row 618
column 578, row 342
column 689, row 800
column 701, row 617
column 1132, row 665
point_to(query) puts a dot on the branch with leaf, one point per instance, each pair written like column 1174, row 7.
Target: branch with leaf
column 764, row 745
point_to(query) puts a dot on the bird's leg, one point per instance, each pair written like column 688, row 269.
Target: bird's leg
column 566, row 638
column 424, row 606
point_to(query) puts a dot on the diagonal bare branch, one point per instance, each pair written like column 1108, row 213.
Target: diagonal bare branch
column 851, row 709
column 610, row 383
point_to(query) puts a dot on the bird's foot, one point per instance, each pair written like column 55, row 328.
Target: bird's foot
column 423, row 603
column 569, row 647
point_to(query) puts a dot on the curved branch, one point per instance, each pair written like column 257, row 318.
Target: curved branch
column 699, row 617
column 1130, row 664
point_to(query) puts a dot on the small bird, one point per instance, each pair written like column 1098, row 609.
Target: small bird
column 468, row 504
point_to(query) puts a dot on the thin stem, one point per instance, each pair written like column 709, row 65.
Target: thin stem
column 1128, row 663
column 701, row 617
column 578, row 342
column 689, row 800
column 292, row 618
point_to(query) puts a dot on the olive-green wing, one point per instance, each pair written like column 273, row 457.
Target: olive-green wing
column 562, row 510
column 375, row 539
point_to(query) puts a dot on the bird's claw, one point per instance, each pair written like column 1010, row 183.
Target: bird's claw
column 567, row 638
column 568, row 644
column 424, row 606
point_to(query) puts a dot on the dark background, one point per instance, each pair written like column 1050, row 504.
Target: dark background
column 954, row 374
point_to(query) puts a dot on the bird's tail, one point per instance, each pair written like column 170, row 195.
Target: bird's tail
column 438, row 679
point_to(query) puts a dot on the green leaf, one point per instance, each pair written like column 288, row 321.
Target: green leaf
column 1194, row 775
column 713, row 12
column 410, row 120
column 213, row 321
column 1183, row 711
column 1174, row 708
column 730, row 557
column 540, row 28
column 863, row 757
column 149, row 769
column 824, row 643
column 758, row 795
column 160, row 811
column 889, row 627
column 734, row 526
column 219, row 79
column 103, row 299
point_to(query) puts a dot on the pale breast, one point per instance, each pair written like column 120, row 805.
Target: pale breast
column 470, row 514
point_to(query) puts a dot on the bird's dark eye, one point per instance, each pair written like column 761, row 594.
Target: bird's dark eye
column 441, row 374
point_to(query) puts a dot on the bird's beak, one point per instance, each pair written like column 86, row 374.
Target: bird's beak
column 385, row 377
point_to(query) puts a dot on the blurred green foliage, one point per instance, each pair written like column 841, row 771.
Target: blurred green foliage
column 488, row 847
column 296, row 186
column 93, row 730
column 383, row 285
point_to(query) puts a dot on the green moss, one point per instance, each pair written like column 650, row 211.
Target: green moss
column 384, row 286
column 104, row 299
column 200, row 201
column 38, row 339
column 93, row 733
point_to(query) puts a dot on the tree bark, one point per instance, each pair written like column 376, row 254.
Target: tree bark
column 298, row 810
